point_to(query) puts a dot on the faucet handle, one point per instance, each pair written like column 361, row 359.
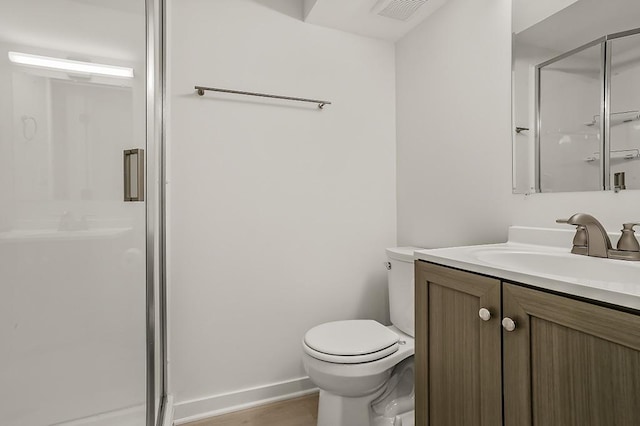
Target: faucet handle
column 580, row 239
column 628, row 241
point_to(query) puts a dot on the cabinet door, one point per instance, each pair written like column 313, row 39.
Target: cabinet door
column 568, row 362
column 458, row 357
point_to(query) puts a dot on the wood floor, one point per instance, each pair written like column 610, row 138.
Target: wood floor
column 301, row 411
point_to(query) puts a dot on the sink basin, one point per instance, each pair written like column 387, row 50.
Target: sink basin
column 563, row 265
column 542, row 258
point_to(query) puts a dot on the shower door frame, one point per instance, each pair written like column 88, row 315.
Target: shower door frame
column 155, row 212
column 605, row 112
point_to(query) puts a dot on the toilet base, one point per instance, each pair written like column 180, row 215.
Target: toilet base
column 378, row 393
column 405, row 419
column 336, row 410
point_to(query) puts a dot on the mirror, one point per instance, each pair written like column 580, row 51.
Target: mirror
column 573, row 63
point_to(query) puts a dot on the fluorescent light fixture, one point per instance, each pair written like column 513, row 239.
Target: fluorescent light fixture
column 69, row 65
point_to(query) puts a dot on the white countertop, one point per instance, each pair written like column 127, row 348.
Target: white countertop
column 542, row 258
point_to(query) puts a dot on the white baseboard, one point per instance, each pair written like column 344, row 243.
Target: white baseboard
column 198, row 409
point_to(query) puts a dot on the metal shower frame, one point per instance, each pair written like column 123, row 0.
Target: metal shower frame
column 605, row 99
column 155, row 211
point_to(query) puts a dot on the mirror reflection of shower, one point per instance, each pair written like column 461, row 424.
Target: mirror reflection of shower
column 69, row 142
column 563, row 151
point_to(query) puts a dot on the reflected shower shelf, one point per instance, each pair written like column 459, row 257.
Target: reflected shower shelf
column 616, row 118
column 622, row 154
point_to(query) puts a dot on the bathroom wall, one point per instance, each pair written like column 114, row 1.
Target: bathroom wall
column 453, row 112
column 454, row 137
column 279, row 213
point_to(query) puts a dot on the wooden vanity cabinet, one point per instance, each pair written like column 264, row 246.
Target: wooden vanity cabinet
column 569, row 362
column 566, row 363
column 458, row 362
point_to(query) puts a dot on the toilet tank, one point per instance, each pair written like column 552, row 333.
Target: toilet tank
column 400, row 277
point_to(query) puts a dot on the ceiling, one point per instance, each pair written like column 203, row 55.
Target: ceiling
column 358, row 17
column 577, row 24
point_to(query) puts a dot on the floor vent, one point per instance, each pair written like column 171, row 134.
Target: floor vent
column 401, row 10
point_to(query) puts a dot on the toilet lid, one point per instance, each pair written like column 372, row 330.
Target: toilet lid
column 351, row 338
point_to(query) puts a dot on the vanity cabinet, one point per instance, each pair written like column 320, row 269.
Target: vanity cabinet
column 458, row 361
column 567, row 362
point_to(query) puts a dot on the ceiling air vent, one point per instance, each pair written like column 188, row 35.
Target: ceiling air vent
column 397, row 9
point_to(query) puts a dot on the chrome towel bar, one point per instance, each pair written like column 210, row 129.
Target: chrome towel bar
column 202, row 89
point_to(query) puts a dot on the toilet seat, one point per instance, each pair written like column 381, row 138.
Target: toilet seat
column 350, row 342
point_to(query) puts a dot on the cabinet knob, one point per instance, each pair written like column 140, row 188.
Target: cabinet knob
column 485, row 314
column 508, row 324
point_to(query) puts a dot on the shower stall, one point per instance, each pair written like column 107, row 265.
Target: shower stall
column 81, row 213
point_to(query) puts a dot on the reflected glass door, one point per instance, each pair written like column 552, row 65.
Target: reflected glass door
column 72, row 252
column 570, row 135
column 624, row 118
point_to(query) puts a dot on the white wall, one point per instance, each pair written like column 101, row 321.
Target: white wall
column 279, row 212
column 527, row 12
column 454, row 147
column 453, row 109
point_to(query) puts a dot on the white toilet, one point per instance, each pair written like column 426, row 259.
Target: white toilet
column 364, row 369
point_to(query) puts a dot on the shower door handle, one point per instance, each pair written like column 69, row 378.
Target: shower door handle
column 134, row 174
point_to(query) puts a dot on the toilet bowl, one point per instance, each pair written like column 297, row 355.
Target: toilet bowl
column 348, row 389
column 364, row 370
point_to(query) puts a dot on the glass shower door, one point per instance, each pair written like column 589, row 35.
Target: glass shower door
column 624, row 115
column 569, row 134
column 72, row 251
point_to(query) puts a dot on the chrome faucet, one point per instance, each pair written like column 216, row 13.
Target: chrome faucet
column 591, row 239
